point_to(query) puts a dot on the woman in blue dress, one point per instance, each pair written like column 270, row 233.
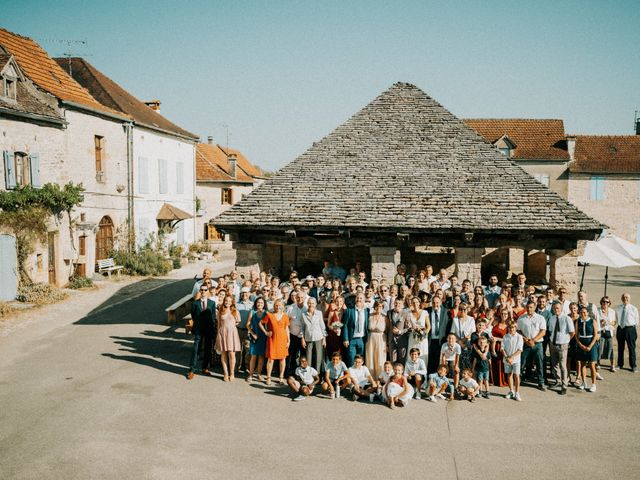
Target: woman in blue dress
column 257, row 338
column 586, row 351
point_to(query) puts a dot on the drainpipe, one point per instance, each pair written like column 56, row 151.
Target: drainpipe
column 131, row 233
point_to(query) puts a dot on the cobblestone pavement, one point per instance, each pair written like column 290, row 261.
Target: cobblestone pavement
column 94, row 387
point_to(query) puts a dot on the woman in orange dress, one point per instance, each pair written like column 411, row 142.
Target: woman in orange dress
column 498, row 331
column 276, row 327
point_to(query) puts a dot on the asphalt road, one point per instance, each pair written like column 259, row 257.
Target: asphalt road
column 104, row 395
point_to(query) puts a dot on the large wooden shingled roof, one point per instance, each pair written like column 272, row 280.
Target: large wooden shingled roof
column 405, row 163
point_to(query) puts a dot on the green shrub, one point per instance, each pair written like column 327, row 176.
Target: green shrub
column 40, row 293
column 144, row 262
column 80, row 282
column 176, row 262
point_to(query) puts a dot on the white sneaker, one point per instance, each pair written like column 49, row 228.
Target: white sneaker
column 509, row 396
column 599, row 377
column 417, row 396
column 516, row 397
column 592, row 388
column 431, row 398
column 441, row 397
column 371, row 398
column 582, row 386
column 332, row 395
column 338, row 392
column 299, row 398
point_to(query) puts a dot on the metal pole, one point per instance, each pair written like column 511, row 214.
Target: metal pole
column 606, row 278
column 584, row 267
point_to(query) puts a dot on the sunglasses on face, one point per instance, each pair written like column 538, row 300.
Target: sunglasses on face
column 204, row 289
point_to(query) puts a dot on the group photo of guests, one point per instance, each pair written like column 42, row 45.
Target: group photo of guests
column 437, row 337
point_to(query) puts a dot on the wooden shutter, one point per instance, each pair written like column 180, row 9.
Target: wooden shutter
column 9, row 170
column 143, row 175
column 179, row 177
column 34, row 166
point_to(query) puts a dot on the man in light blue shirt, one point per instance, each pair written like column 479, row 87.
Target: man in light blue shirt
column 561, row 331
column 492, row 291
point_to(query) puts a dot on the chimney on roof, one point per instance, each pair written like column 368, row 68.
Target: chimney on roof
column 637, row 122
column 233, row 161
column 153, row 105
column 210, row 140
column 571, row 146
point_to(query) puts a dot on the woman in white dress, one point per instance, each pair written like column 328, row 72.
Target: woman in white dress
column 420, row 327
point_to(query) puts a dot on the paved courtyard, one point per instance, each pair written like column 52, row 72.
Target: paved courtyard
column 94, row 387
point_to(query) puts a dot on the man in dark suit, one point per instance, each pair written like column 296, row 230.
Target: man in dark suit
column 440, row 326
column 203, row 314
column 356, row 329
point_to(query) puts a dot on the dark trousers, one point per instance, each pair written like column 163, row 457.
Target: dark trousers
column 242, row 357
column 207, row 343
column 627, row 335
column 356, row 347
column 295, row 349
column 434, row 355
column 531, row 355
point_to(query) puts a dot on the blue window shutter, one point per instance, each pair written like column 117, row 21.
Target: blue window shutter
column 9, row 170
column 34, row 166
column 600, row 188
column 593, row 188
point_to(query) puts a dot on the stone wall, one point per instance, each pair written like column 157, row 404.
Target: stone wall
column 564, row 271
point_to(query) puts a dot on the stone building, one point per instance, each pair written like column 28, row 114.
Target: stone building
column 64, row 135
column 161, row 158
column 224, row 176
column 401, row 175
column 604, row 181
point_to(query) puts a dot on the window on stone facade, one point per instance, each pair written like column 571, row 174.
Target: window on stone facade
column 21, row 161
column 21, row 169
column 543, row 178
column 163, row 186
column 99, row 150
column 227, row 196
column 9, row 87
column 82, row 245
column 596, row 191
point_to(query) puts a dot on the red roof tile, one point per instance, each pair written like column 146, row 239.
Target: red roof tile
column 212, row 164
column 606, row 154
column 46, row 73
column 535, row 139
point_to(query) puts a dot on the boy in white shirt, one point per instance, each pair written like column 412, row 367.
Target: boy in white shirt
column 440, row 383
column 512, row 345
column 450, row 356
column 468, row 387
column 415, row 370
column 304, row 380
column 361, row 381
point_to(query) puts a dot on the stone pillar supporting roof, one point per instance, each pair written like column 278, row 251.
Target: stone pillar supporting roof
column 406, row 166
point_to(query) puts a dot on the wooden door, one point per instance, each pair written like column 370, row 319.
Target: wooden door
column 104, row 238
column 51, row 244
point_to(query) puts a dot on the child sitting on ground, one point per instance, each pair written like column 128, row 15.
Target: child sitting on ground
column 482, row 364
column 383, row 378
column 439, row 383
column 397, row 392
column 336, row 376
column 304, row 380
column 450, row 357
column 512, row 345
column 468, row 388
column 362, row 383
column 415, row 370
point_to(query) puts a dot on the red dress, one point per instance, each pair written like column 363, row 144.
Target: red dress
column 277, row 343
column 498, row 377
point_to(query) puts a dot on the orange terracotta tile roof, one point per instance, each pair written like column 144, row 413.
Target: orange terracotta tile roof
column 112, row 95
column 535, row 139
column 606, row 154
column 211, row 164
column 46, row 73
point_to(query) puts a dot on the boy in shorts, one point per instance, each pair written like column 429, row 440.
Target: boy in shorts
column 482, row 365
column 450, row 357
column 362, row 383
column 512, row 345
column 468, row 388
column 415, row 370
column 304, row 380
column 336, row 376
column 439, row 383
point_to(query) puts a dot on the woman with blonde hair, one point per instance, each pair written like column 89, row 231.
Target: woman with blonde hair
column 275, row 326
column 228, row 340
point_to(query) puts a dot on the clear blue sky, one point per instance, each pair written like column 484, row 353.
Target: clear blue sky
column 283, row 74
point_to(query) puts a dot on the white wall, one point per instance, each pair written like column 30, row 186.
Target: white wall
column 210, row 195
column 153, row 146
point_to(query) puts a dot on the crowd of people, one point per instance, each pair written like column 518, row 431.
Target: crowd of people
column 420, row 335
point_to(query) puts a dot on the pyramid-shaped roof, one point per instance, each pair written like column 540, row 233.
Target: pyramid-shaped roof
column 405, row 163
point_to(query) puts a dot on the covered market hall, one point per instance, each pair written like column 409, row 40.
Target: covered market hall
column 404, row 180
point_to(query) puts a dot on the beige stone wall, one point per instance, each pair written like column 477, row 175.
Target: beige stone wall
column 557, row 171
column 620, row 207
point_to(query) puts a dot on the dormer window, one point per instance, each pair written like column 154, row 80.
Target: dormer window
column 506, row 151
column 505, row 145
column 9, row 76
column 9, row 88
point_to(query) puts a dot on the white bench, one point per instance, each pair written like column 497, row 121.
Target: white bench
column 179, row 309
column 108, row 265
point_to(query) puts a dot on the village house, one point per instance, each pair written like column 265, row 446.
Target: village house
column 161, row 157
column 604, row 180
column 224, row 176
column 54, row 131
column 404, row 174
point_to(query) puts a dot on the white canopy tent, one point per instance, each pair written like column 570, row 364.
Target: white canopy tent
column 621, row 245
column 597, row 253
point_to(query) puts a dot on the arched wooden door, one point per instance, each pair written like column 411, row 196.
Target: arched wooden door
column 104, row 238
